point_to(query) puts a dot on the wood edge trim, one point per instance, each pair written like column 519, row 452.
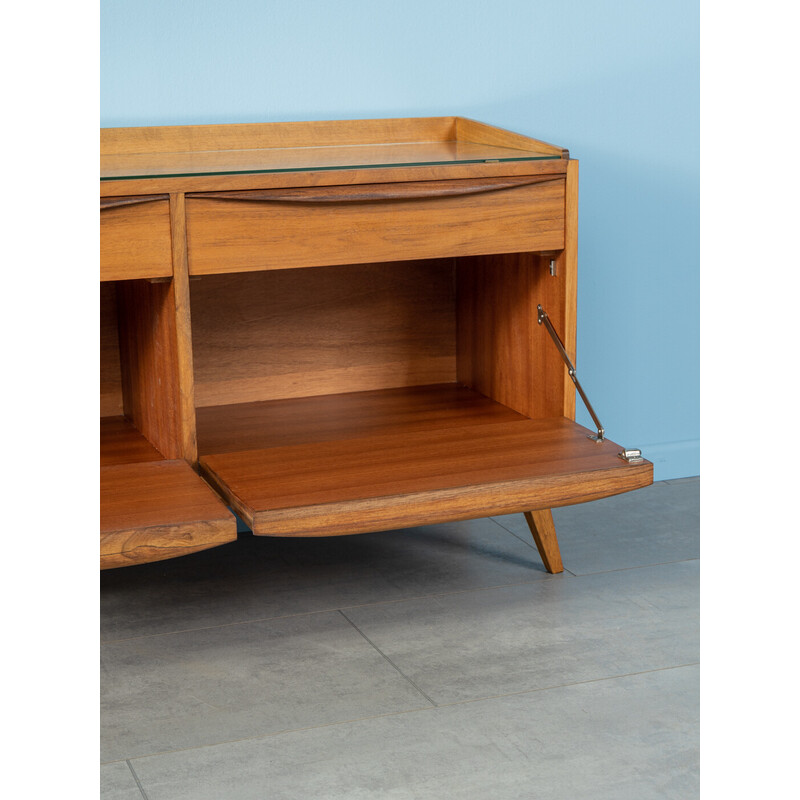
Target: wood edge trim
column 569, row 267
column 379, row 192
column 116, row 202
column 351, row 176
column 154, row 276
column 211, row 533
column 461, row 503
column 472, row 130
column 145, row 140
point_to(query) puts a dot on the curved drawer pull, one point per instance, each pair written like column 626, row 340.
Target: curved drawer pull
column 116, row 202
column 376, row 192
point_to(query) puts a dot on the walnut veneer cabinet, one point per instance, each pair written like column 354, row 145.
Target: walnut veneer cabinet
column 334, row 328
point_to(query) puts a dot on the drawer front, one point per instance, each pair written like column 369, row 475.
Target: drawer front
column 284, row 228
column 135, row 239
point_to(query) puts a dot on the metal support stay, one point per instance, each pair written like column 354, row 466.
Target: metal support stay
column 543, row 318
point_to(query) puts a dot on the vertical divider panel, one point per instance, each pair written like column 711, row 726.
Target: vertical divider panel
column 183, row 328
column 156, row 352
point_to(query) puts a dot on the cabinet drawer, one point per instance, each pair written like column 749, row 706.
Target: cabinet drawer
column 135, row 239
column 283, row 228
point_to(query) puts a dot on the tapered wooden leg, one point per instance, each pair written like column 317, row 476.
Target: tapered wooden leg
column 544, row 534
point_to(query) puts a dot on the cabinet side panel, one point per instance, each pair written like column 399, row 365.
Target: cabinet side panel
column 149, row 362
column 567, row 272
column 110, row 375
column 503, row 352
column 304, row 332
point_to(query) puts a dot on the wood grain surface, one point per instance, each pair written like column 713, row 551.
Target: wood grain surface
column 248, row 136
column 408, row 478
column 222, row 139
column 299, row 159
column 155, row 510
column 182, row 359
column 502, row 351
column 378, row 192
column 135, row 240
column 296, row 333
column 149, row 361
column 135, row 200
column 303, row 420
column 330, row 177
column 121, row 443
column 544, row 535
column 225, row 236
column 196, row 157
column 470, row 130
column 566, row 301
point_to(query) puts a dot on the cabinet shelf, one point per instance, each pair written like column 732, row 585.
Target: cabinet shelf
column 121, row 443
column 311, row 467
column 350, row 415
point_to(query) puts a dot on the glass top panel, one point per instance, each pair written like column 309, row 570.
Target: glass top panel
column 303, row 159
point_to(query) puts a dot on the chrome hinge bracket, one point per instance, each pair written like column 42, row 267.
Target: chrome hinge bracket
column 632, row 456
column 543, row 318
column 552, row 268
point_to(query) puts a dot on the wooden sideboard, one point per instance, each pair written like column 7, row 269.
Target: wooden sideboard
column 332, row 328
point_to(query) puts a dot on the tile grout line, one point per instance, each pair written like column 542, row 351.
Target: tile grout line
column 406, row 711
column 640, row 566
column 400, row 672
column 413, row 598
column 136, row 778
column 602, row 571
column 331, row 610
column 530, row 543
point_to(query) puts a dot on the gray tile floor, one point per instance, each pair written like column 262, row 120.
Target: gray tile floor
column 437, row 662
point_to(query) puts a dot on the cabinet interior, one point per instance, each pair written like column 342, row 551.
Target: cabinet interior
column 139, row 382
column 298, row 355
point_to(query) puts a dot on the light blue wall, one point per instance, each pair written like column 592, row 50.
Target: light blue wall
column 615, row 81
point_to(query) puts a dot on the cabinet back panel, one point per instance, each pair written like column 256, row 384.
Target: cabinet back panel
column 304, row 332
column 110, row 377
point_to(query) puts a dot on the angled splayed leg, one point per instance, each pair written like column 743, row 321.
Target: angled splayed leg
column 544, row 534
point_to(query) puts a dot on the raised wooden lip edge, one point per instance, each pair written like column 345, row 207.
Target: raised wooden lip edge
column 158, row 137
column 346, row 132
column 471, row 130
